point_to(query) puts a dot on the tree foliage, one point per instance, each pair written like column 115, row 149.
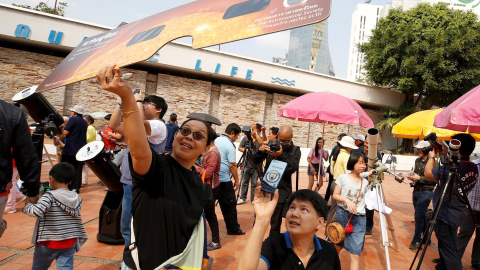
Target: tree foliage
column 43, row 7
column 430, row 53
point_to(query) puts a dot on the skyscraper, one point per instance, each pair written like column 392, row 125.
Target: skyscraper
column 308, row 49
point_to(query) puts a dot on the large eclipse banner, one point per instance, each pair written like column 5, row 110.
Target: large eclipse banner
column 209, row 22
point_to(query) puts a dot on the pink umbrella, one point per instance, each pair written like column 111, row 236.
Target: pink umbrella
column 463, row 114
column 326, row 107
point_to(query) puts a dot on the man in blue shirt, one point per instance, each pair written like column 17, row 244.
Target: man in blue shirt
column 75, row 138
column 454, row 209
column 172, row 127
column 226, row 196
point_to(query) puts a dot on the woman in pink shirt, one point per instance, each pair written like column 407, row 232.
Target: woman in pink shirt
column 315, row 159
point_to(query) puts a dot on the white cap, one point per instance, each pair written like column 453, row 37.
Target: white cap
column 359, row 137
column 78, row 109
column 422, row 144
column 348, row 141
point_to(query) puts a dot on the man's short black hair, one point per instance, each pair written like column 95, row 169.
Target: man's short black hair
column 233, row 127
column 341, row 135
column 159, row 103
column 108, row 116
column 63, row 172
column 468, row 143
column 317, row 201
column 274, row 130
column 258, row 126
column 173, row 117
column 354, row 157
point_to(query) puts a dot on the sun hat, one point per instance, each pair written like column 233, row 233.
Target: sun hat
column 349, row 142
column 78, row 109
column 422, row 144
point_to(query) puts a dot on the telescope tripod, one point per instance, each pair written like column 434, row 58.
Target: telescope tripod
column 386, row 223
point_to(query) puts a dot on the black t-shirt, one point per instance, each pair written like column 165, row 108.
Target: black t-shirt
column 454, row 211
column 167, row 204
column 277, row 252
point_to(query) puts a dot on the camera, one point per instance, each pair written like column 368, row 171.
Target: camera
column 274, row 146
column 432, row 139
column 452, row 158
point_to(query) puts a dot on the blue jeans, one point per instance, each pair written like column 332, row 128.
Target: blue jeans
column 421, row 201
column 126, row 213
column 44, row 256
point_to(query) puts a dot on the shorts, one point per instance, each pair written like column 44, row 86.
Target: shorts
column 354, row 241
column 317, row 169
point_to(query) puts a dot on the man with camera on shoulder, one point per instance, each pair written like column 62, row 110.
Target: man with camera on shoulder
column 250, row 170
column 281, row 150
column 454, row 209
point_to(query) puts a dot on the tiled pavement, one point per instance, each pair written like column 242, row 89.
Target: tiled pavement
column 16, row 251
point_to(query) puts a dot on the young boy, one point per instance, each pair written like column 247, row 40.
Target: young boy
column 59, row 231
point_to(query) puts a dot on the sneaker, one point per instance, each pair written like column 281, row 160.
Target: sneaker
column 10, row 211
column 20, row 200
column 213, row 246
column 414, row 245
column 368, row 231
column 240, row 201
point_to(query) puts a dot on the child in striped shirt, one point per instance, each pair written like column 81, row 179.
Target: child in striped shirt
column 59, row 231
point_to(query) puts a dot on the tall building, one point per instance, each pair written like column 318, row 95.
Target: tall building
column 365, row 18
column 308, row 49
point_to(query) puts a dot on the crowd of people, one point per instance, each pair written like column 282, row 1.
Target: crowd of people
column 168, row 171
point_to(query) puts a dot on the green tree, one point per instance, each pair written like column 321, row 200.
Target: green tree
column 430, row 53
column 43, row 7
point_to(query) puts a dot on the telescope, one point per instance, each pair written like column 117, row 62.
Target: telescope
column 48, row 120
column 40, row 110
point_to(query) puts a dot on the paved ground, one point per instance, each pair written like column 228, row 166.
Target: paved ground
column 16, row 251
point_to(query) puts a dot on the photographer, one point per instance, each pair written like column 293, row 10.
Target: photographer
column 288, row 153
column 249, row 144
column 454, row 209
column 422, row 190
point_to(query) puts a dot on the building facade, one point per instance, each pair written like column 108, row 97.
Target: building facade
column 232, row 88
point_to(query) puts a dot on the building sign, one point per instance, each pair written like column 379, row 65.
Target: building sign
column 209, row 22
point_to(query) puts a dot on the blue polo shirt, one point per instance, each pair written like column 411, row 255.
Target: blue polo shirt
column 227, row 153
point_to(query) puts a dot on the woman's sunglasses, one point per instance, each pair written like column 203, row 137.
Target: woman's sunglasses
column 185, row 131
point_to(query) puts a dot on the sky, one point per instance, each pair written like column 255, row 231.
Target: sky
column 112, row 13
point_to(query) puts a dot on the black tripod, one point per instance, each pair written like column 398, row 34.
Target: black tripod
column 243, row 161
column 453, row 177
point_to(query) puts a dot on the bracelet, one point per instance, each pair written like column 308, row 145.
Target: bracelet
column 125, row 114
column 139, row 100
column 119, row 105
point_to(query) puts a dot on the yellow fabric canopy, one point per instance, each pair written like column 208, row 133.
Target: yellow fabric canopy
column 420, row 124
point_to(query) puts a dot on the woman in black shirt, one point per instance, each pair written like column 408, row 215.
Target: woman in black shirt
column 167, row 191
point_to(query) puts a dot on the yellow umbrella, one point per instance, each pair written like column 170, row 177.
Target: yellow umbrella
column 420, row 124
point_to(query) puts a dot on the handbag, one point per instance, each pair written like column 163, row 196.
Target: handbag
column 335, row 231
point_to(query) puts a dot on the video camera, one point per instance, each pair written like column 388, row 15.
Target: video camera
column 432, row 139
